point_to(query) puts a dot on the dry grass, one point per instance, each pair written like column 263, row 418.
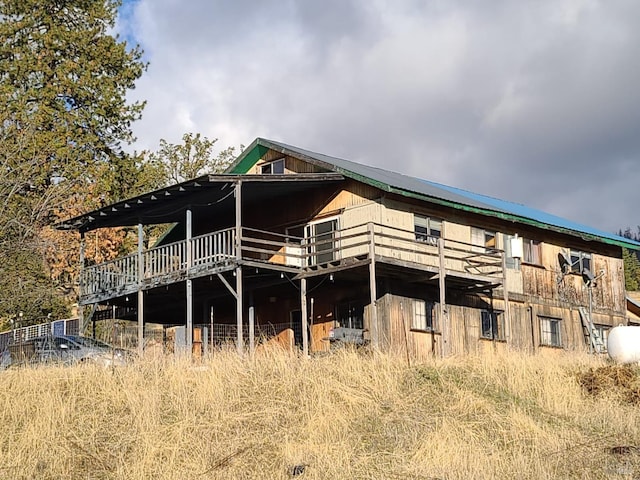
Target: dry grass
column 346, row 415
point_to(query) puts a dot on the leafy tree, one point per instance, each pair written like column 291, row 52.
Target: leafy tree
column 175, row 163
column 63, row 120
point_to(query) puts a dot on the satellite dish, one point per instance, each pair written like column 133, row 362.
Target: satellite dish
column 588, row 278
column 565, row 262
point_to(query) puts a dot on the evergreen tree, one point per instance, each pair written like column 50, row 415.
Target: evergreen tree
column 631, row 270
column 631, row 260
column 63, row 120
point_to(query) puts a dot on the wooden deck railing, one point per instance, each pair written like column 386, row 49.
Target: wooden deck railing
column 217, row 250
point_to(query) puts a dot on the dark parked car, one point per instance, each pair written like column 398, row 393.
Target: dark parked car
column 67, row 350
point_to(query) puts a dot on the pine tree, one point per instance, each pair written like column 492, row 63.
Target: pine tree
column 631, row 270
column 64, row 118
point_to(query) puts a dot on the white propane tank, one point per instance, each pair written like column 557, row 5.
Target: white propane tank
column 623, row 344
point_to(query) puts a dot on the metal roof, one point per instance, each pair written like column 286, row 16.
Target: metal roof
column 431, row 191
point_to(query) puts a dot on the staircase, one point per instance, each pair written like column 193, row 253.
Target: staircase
column 591, row 334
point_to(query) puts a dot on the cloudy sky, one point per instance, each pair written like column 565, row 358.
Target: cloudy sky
column 536, row 102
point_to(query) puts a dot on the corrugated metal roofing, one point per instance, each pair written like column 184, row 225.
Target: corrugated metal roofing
column 451, row 196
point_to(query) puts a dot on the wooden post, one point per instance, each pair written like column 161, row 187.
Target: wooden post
column 196, row 349
column 442, row 313
column 505, row 294
column 373, row 324
column 252, row 340
column 140, row 311
column 303, row 316
column 81, row 319
column 188, row 252
column 238, row 247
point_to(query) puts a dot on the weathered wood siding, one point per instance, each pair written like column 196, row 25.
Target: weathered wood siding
column 547, row 283
column 395, row 313
column 535, row 282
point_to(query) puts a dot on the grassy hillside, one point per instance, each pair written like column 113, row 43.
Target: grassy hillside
column 343, row 416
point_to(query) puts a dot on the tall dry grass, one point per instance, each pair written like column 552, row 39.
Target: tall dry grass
column 343, row 416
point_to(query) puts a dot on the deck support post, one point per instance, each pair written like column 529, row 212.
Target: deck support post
column 81, row 319
column 373, row 317
column 303, row 317
column 252, row 336
column 505, row 293
column 189, row 285
column 140, row 309
column 442, row 311
column 238, row 248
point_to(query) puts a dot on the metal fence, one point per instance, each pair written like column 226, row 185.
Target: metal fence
column 228, row 333
column 69, row 326
column 123, row 334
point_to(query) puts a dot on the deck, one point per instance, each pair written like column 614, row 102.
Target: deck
column 224, row 250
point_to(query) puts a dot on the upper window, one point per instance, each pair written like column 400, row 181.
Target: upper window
column 422, row 315
column 580, row 261
column 427, row 229
column 322, row 238
column 492, row 325
column 273, row 168
column 532, row 251
column 550, row 331
column 484, row 241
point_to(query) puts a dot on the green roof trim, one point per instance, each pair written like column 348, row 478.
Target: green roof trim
column 423, row 190
column 248, row 158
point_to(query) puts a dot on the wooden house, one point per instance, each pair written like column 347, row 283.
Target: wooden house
column 293, row 244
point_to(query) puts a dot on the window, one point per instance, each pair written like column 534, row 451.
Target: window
column 273, row 168
column 532, row 252
column 580, row 261
column 492, row 325
column 427, row 229
column 550, row 332
column 351, row 314
column 423, row 313
column 484, row 241
column 322, row 241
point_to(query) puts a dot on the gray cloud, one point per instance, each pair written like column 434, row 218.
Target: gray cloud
column 534, row 102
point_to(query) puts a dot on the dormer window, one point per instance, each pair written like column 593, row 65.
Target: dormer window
column 273, row 168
